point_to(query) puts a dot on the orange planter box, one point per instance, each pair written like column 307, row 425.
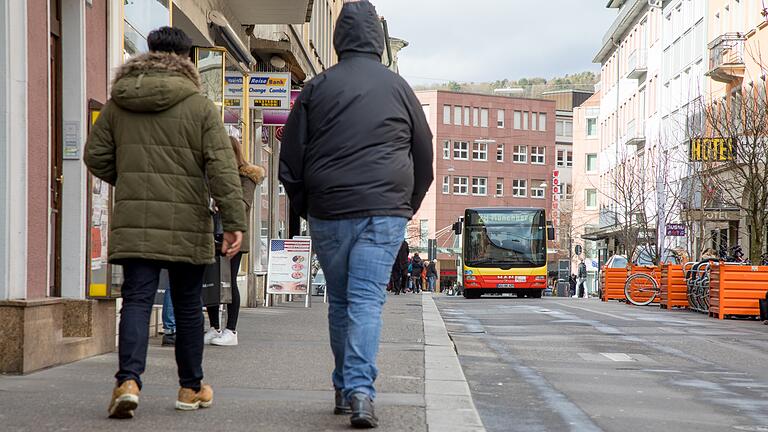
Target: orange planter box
column 674, row 292
column 613, row 280
column 736, row 289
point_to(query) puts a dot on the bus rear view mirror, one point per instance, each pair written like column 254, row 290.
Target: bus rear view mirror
column 457, row 228
column 550, row 233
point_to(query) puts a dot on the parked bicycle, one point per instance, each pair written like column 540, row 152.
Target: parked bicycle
column 641, row 289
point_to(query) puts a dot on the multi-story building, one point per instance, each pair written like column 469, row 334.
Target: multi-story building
column 585, row 216
column 57, row 291
column 489, row 151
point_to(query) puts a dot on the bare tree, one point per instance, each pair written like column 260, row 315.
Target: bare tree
column 737, row 165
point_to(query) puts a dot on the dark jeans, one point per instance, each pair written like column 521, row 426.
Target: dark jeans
column 138, row 292
column 233, row 310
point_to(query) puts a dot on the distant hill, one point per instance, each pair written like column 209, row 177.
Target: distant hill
column 532, row 87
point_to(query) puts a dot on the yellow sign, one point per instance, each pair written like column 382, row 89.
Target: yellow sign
column 232, row 102
column 266, row 103
column 712, row 150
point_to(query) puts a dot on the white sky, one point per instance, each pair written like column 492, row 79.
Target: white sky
column 485, row 40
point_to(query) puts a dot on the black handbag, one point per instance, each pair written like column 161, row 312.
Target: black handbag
column 217, row 282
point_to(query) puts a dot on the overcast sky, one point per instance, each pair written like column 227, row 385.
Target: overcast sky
column 486, row 40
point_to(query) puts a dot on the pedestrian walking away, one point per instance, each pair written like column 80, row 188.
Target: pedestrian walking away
column 582, row 280
column 400, row 269
column 417, row 266
column 250, row 177
column 356, row 160
column 156, row 140
column 431, row 275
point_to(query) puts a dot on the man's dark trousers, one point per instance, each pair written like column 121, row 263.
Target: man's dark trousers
column 138, row 292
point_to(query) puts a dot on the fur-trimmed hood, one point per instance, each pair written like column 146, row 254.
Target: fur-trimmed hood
column 254, row 172
column 155, row 81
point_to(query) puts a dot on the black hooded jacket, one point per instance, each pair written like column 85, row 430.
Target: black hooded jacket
column 357, row 143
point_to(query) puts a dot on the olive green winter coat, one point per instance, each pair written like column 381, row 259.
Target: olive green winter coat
column 154, row 141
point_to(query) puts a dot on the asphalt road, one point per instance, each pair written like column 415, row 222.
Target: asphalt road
column 584, row 365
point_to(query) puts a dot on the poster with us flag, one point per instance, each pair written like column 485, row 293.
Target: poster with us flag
column 289, row 266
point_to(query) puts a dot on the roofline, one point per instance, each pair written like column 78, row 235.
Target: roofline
column 483, row 94
column 619, row 28
column 569, row 91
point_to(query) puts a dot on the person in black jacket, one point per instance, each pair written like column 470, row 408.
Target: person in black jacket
column 400, row 270
column 417, row 268
column 356, row 161
column 432, row 275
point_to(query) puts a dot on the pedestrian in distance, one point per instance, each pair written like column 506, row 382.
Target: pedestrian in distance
column 400, row 269
column 250, row 177
column 417, row 266
column 356, row 160
column 156, row 141
column 572, row 286
column 169, row 319
column 431, row 275
column 582, row 279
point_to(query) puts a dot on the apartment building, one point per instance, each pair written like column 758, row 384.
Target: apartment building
column 585, row 215
column 490, row 151
column 58, row 293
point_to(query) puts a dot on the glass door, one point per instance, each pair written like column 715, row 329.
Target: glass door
column 211, row 63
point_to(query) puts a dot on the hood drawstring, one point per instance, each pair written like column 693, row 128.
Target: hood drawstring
column 138, row 81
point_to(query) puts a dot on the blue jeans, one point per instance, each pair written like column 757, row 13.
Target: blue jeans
column 169, row 321
column 431, row 283
column 357, row 257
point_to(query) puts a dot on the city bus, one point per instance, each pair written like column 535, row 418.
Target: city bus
column 503, row 250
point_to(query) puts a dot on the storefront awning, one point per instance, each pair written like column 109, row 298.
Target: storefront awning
column 271, row 11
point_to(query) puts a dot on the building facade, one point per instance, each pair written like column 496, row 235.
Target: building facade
column 58, row 293
column 490, row 151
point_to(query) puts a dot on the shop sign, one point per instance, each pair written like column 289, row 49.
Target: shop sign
column 273, row 117
column 270, row 90
column 675, row 230
column 289, row 266
column 712, row 150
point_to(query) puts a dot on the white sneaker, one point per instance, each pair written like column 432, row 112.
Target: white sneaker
column 210, row 335
column 226, row 338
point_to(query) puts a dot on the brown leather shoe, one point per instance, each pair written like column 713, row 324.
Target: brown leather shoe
column 190, row 400
column 125, row 399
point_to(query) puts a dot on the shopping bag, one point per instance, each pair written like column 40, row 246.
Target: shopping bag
column 217, row 282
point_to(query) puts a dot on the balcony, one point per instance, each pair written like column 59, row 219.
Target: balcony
column 271, row 11
column 726, row 58
column 635, row 134
column 637, row 64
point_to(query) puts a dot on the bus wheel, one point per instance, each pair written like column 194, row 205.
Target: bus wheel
column 471, row 294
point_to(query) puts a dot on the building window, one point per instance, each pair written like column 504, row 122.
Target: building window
column 538, row 155
column 480, row 186
column 564, row 158
column 537, row 189
column 520, row 154
column 484, row 117
column 446, row 149
column 466, row 116
column 519, row 188
column 500, row 119
column 479, row 151
column 461, row 150
column 475, row 117
column 591, row 127
column 446, row 184
column 446, row 114
column 525, row 120
column 499, row 152
column 566, row 191
column 591, row 162
column 564, row 128
column 517, row 120
column 457, row 115
column 543, row 122
column 533, row 121
column 591, row 199
column 499, row 186
column 460, row 185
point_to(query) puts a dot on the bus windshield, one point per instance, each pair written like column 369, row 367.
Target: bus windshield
column 513, row 238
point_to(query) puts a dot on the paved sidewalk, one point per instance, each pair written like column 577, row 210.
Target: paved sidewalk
column 277, row 379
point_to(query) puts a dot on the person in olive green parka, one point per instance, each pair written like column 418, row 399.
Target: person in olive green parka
column 157, row 140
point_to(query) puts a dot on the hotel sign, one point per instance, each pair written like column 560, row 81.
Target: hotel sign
column 712, row 150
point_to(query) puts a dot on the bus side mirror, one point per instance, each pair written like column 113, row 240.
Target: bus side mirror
column 457, row 228
column 550, row 233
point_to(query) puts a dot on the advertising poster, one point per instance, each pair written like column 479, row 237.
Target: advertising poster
column 289, row 266
column 270, row 90
column 273, row 117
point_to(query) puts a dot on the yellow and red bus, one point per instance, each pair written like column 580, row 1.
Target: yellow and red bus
column 503, row 250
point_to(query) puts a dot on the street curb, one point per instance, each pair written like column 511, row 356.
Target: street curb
column 450, row 407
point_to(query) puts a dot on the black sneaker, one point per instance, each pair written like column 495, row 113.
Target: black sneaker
column 169, row 339
column 363, row 416
column 342, row 406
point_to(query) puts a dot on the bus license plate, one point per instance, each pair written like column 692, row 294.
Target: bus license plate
column 505, row 286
